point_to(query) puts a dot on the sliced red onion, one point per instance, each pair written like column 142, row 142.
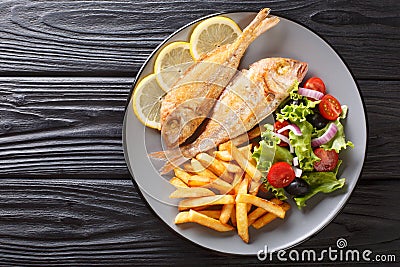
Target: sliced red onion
column 286, row 140
column 296, row 161
column 293, row 127
column 297, row 172
column 310, row 93
column 326, row 137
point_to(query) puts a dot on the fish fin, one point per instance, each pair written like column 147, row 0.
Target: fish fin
column 173, row 157
column 158, row 155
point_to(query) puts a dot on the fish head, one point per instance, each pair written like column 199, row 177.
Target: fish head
column 279, row 74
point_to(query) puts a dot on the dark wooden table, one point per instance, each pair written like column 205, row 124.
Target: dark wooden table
column 66, row 69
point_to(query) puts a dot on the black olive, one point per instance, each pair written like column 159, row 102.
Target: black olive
column 298, row 187
column 317, row 120
column 294, row 102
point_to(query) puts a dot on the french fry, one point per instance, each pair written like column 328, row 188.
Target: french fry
column 219, row 184
column 241, row 213
column 230, row 167
column 191, row 192
column 188, row 167
column 246, row 151
column 262, row 203
column 198, row 180
column 249, row 168
column 215, row 214
column 182, row 217
column 197, row 166
column 214, row 165
column 204, row 220
column 269, row 217
column 226, row 213
column 258, row 212
column 254, row 186
column 233, row 216
column 183, row 175
column 175, row 181
column 237, row 141
column 202, row 201
column 223, row 155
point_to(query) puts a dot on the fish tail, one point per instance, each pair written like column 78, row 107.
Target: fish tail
column 260, row 24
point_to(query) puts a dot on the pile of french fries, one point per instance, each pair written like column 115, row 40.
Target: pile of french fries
column 219, row 190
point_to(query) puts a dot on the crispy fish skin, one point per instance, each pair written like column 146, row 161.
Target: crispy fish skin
column 187, row 104
column 251, row 96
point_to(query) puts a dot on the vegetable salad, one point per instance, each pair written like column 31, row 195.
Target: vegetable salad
column 299, row 154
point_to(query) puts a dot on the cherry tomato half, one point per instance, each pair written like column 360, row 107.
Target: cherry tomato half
column 316, row 84
column 279, row 125
column 329, row 107
column 328, row 162
column 280, row 174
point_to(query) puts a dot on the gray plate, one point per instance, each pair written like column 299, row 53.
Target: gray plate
column 287, row 39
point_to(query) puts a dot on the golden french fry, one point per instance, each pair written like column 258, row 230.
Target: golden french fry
column 269, row 217
column 237, row 141
column 258, row 212
column 182, row 217
column 197, row 166
column 230, row 167
column 241, row 213
column 214, row 165
column 219, row 184
column 191, row 192
column 202, row 201
column 249, row 168
column 226, row 213
column 183, row 175
column 233, row 216
column 262, row 203
column 188, row 167
column 254, row 186
column 215, row 214
column 206, row 221
column 175, row 181
column 198, row 180
column 223, row 155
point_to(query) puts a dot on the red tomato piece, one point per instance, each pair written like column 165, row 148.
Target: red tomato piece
column 279, row 125
column 328, row 162
column 329, row 107
column 316, row 84
column 280, row 174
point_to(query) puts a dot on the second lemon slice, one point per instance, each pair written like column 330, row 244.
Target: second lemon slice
column 171, row 63
column 213, row 33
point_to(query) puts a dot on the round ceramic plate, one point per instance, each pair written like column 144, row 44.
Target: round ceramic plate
column 287, row 39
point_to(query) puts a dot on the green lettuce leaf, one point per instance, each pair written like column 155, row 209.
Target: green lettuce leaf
column 324, row 182
column 296, row 113
column 338, row 142
column 302, row 146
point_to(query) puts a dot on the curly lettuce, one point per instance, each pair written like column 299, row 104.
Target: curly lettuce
column 320, row 182
column 302, row 146
column 296, row 112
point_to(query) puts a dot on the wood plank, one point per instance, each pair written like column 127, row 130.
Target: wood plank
column 81, row 222
column 71, row 127
column 99, row 38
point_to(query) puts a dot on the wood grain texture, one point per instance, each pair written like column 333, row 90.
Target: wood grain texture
column 105, row 222
column 71, row 127
column 113, row 38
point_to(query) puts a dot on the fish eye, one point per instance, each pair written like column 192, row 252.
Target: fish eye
column 282, row 68
column 173, row 123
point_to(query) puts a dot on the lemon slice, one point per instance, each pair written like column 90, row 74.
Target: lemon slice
column 213, row 33
column 171, row 63
column 147, row 101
